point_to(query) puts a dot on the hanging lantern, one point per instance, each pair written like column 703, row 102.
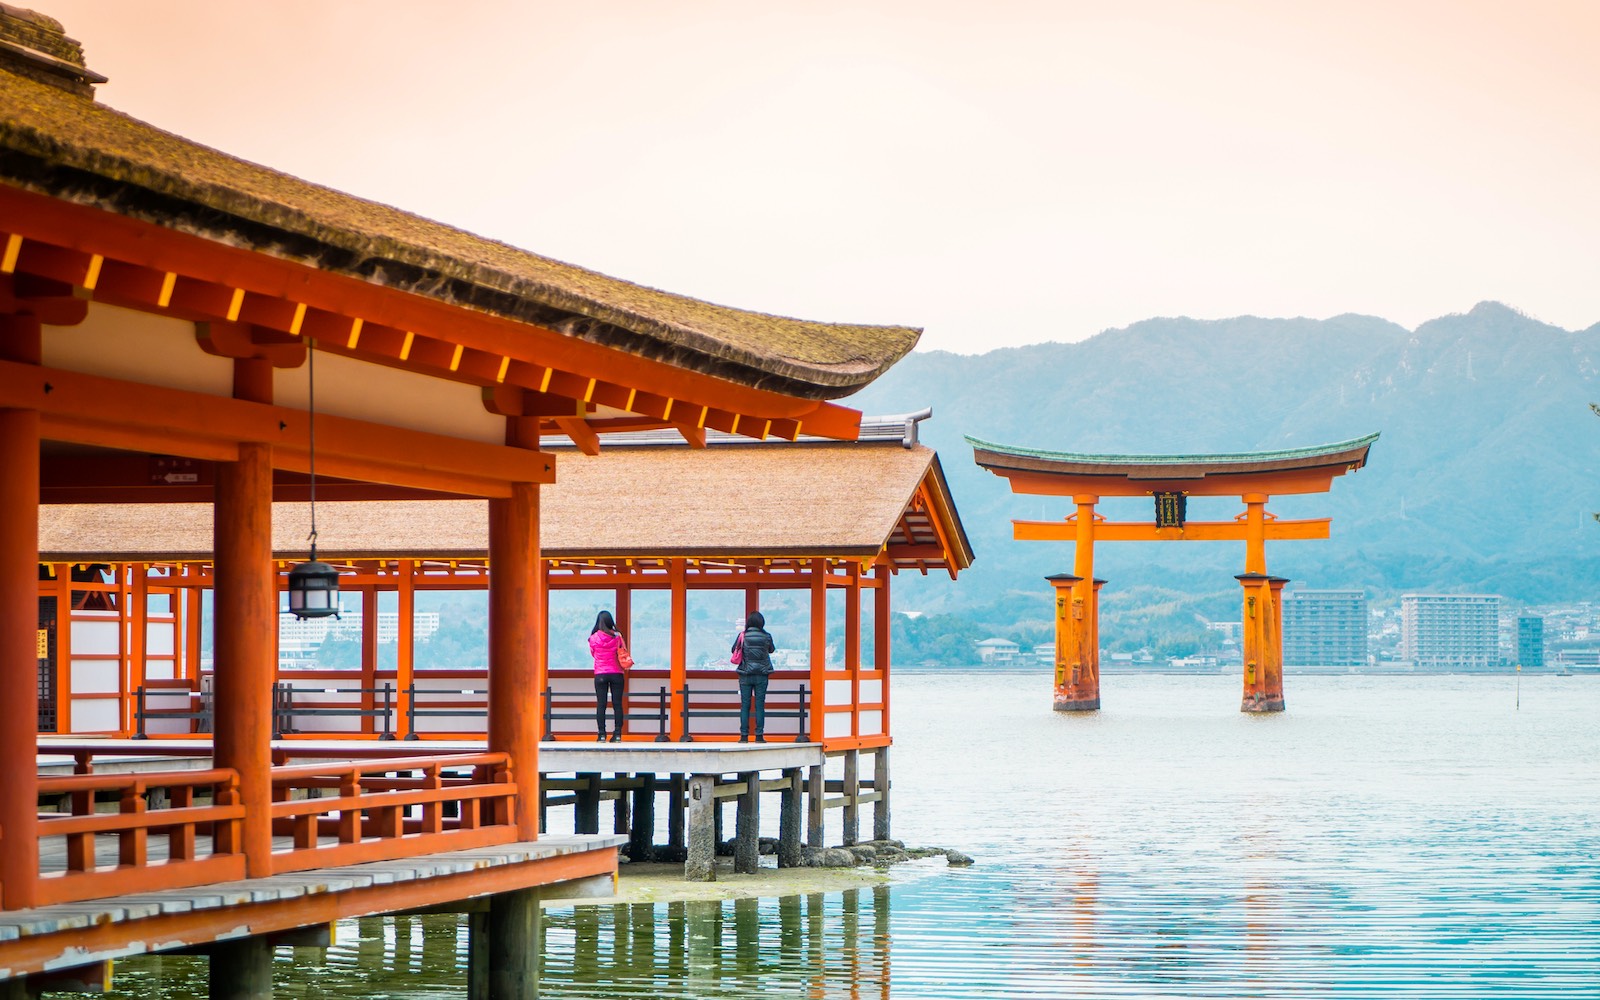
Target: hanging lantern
column 313, row 585
column 313, row 589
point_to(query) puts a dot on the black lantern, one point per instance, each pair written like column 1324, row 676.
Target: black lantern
column 313, row 585
column 313, row 589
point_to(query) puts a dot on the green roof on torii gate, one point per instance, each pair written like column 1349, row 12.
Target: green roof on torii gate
column 1292, row 470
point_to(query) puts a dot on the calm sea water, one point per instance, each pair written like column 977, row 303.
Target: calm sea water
column 1394, row 836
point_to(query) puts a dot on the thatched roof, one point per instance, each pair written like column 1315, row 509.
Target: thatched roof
column 733, row 501
column 66, row 145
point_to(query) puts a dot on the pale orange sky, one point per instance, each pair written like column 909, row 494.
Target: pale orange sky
column 999, row 172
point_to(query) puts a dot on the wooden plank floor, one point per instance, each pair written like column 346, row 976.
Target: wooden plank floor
column 554, row 758
column 69, row 916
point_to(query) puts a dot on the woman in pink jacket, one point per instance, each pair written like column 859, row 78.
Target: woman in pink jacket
column 609, row 680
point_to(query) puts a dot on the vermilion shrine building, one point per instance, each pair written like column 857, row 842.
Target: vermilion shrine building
column 159, row 304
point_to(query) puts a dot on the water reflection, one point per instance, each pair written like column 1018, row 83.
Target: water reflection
column 1430, row 842
column 815, row 946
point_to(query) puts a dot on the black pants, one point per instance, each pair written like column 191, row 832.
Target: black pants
column 608, row 684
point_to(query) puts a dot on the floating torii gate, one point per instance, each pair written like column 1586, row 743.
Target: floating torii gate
column 1170, row 480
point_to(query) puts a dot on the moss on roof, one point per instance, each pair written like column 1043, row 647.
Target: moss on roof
column 73, row 148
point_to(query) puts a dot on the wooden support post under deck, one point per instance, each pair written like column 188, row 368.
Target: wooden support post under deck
column 816, row 790
column 478, row 955
column 245, row 633
column 852, row 793
column 747, row 826
column 789, row 854
column 19, row 622
column 880, row 784
column 676, row 794
column 641, row 835
column 586, row 811
column 621, row 810
column 240, row 969
column 700, row 863
column 512, row 953
column 515, row 586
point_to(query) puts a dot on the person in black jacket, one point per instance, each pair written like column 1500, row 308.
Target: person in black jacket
column 754, row 668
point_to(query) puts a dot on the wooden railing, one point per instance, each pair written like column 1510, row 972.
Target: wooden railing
column 384, row 809
column 182, row 823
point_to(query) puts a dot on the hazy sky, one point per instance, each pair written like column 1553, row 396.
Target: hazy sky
column 997, row 172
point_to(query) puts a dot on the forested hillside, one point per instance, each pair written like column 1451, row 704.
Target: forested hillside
column 1482, row 480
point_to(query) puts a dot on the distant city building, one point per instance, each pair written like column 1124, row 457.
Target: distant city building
column 303, row 634
column 1325, row 628
column 1450, row 631
column 1530, row 641
column 997, row 651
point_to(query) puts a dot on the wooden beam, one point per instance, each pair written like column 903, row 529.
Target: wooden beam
column 1194, row 531
column 95, row 410
column 581, row 434
column 142, row 262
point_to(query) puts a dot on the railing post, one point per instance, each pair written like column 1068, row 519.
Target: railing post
column 661, row 718
column 683, row 701
column 277, row 710
column 138, row 713
column 132, row 844
column 547, row 736
column 411, row 713
column 388, row 706
column 802, row 734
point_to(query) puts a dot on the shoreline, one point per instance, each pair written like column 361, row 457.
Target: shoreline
column 663, row 882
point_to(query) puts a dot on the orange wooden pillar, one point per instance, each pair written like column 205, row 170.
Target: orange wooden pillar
column 1094, row 629
column 852, row 645
column 678, row 582
column 1261, row 638
column 818, row 711
column 1083, row 690
column 405, row 646
column 624, row 611
column 245, row 629
column 1073, row 690
column 369, row 657
column 1274, row 645
column 19, row 622
column 1256, row 641
column 515, row 584
column 882, row 637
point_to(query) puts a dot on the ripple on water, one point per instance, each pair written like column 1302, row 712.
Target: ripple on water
column 1402, row 837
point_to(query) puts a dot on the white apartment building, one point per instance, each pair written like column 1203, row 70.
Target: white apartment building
column 304, row 634
column 1325, row 628
column 1450, row 631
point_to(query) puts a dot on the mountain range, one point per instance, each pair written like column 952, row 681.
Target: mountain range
column 1481, row 481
